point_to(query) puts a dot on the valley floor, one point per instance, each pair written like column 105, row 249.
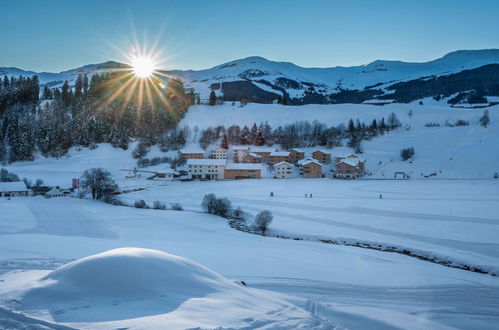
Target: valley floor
column 352, row 287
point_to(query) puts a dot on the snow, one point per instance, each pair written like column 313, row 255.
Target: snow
column 243, row 166
column 13, row 186
column 206, row 161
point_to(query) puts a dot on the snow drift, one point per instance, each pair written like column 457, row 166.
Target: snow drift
column 134, row 286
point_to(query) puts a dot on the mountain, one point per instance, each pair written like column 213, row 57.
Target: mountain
column 264, row 81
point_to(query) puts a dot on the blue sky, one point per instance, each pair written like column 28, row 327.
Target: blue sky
column 55, row 35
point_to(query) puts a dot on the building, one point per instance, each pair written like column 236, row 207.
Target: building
column 219, row 153
column 243, row 171
column 361, row 162
column 296, row 154
column 206, row 169
column 283, row 170
column 264, row 152
column 471, row 105
column 186, row 154
column 279, row 156
column 311, row 169
column 322, row 156
column 54, row 192
column 252, row 158
column 239, row 153
column 168, row 173
column 13, row 189
column 349, row 168
column 378, row 102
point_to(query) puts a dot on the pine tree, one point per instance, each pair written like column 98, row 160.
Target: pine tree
column 254, row 132
column 245, row 137
column 259, row 140
column 79, row 86
column 47, row 94
column 213, row 98
column 225, row 142
column 85, row 84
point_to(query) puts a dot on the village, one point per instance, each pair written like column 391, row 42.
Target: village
column 254, row 162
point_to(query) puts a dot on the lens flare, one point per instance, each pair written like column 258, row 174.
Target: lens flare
column 143, row 66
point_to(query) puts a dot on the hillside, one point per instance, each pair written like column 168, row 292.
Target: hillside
column 265, row 81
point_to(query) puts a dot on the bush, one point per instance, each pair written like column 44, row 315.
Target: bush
column 461, row 122
column 113, row 200
column 263, row 220
column 140, row 204
column 407, row 153
column 176, row 207
column 5, row 176
column 140, row 150
column 217, row 206
column 157, row 205
column 430, row 124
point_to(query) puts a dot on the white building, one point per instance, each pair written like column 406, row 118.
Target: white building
column 12, row 189
column 209, row 169
column 54, row 192
column 239, row 153
column 283, row 170
column 219, row 153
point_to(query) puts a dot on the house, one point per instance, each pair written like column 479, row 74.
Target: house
column 471, row 105
column 219, row 153
column 239, row 153
column 279, row 156
column 296, row 154
column 252, row 158
column 168, row 173
column 54, row 192
column 322, row 156
column 13, row 189
column 311, row 169
column 283, row 170
column 361, row 162
column 378, row 102
column 243, row 171
column 264, row 152
column 350, row 168
column 207, row 169
column 186, row 154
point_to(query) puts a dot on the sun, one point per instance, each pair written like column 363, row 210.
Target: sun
column 143, row 67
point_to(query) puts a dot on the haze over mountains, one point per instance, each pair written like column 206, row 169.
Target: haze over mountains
column 264, row 81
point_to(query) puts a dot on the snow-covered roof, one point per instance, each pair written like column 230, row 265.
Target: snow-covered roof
column 308, row 161
column 471, row 105
column 206, row 161
column 240, row 148
column 218, row 148
column 280, row 153
column 53, row 192
column 301, row 161
column 376, row 101
column 283, row 163
column 192, row 151
column 243, row 166
column 13, row 186
column 350, row 161
column 263, row 149
column 252, row 154
column 296, row 150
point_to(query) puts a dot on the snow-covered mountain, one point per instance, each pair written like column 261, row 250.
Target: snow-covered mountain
column 265, row 81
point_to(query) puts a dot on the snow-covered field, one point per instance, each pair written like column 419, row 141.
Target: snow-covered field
column 307, row 283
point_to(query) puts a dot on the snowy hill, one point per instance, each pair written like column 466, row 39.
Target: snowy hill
column 265, row 81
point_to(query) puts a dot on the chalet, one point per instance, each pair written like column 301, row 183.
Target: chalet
column 297, row 154
column 378, row 102
column 239, row 153
column 54, row 192
column 186, row 154
column 283, row 170
column 264, row 152
column 279, row 156
column 322, row 156
column 361, row 162
column 252, row 158
column 13, row 189
column 206, row 169
column 219, row 153
column 243, row 171
column 311, row 169
column 349, row 168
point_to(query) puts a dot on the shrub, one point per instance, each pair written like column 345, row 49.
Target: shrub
column 140, row 150
column 263, row 220
column 176, row 207
column 157, row 205
column 140, row 204
column 5, row 176
column 407, row 153
column 217, row 206
column 99, row 182
column 430, row 124
column 461, row 122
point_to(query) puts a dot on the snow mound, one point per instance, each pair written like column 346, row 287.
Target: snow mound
column 131, row 287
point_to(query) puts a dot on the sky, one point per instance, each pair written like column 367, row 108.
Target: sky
column 56, row 35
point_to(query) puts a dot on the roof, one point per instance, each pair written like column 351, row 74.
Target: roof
column 283, row 163
column 206, row 161
column 280, row 153
column 192, row 151
column 240, row 148
column 219, row 148
column 13, row 186
column 243, row 166
column 263, row 149
column 376, row 101
column 296, row 150
column 54, row 191
column 302, row 161
column 310, row 161
column 350, row 161
column 252, row 154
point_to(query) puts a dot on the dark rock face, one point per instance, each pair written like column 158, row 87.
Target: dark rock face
column 235, row 90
